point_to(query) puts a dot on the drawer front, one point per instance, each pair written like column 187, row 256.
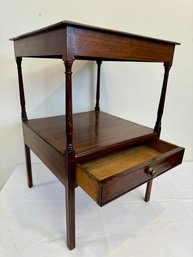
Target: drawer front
column 128, row 180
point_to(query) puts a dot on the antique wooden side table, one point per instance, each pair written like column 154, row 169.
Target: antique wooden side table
column 105, row 155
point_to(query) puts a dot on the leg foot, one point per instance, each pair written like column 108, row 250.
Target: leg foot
column 28, row 166
column 148, row 190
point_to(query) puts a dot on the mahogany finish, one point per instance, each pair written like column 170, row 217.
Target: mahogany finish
column 93, row 132
column 45, row 152
column 65, row 142
column 71, row 40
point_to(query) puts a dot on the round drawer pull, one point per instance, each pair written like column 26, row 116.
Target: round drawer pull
column 152, row 172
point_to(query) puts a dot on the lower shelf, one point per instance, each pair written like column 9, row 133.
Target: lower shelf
column 93, row 133
column 106, row 178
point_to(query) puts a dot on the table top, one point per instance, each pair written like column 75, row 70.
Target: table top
column 66, row 23
column 70, row 40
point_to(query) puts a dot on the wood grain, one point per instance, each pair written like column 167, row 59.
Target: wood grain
column 88, row 183
column 48, row 44
column 106, row 46
column 93, row 132
column 47, row 154
column 69, row 40
column 114, row 163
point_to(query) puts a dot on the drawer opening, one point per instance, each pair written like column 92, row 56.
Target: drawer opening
column 107, row 177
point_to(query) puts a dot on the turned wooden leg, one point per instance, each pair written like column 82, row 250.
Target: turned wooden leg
column 157, row 127
column 69, row 161
column 21, row 89
column 148, row 190
column 28, row 166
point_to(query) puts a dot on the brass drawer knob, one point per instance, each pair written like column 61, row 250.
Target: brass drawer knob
column 152, row 172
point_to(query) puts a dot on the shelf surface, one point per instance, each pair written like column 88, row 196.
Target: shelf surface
column 93, row 132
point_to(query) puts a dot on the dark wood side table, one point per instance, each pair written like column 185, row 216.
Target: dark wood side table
column 107, row 156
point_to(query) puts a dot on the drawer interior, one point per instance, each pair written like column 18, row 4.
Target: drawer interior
column 93, row 174
column 111, row 164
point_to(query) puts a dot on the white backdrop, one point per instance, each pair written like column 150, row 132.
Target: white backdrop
column 129, row 90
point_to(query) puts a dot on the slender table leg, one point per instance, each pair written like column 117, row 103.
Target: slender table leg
column 69, row 161
column 148, row 190
column 70, row 202
column 28, row 166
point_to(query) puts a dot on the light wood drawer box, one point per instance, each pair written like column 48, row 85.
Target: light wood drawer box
column 106, row 178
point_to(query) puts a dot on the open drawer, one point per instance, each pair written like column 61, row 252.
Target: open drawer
column 106, row 178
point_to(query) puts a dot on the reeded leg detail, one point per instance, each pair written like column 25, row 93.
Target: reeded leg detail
column 148, row 190
column 28, row 166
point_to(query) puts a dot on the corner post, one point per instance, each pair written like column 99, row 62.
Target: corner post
column 69, row 161
column 97, row 107
column 69, row 119
column 157, row 127
column 21, row 90
column 24, row 118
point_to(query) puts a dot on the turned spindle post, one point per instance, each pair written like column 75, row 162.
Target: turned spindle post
column 97, row 107
column 21, row 89
column 69, row 119
column 157, row 127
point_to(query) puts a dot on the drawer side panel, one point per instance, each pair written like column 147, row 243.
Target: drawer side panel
column 87, row 183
